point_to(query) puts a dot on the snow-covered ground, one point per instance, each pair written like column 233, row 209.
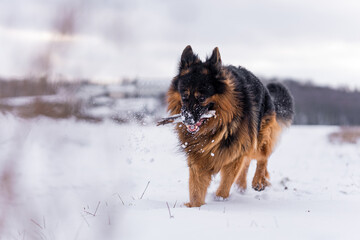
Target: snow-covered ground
column 75, row 180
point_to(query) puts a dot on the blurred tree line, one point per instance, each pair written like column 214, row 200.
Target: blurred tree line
column 314, row 105
column 26, row 87
column 318, row 105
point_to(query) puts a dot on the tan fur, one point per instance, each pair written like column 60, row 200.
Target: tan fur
column 184, row 72
column 268, row 136
column 206, row 156
column 197, row 95
column 205, row 71
column 174, row 101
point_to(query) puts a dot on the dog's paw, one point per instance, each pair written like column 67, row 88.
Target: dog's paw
column 220, row 199
column 191, row 205
column 261, row 184
column 259, row 187
column 221, row 196
column 240, row 190
column 188, row 205
column 241, row 185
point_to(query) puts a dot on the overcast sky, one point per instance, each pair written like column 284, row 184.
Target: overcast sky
column 110, row 39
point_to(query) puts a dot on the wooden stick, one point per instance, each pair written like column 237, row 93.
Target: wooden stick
column 177, row 118
column 167, row 120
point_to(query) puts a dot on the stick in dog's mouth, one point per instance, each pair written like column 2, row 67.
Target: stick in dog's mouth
column 191, row 128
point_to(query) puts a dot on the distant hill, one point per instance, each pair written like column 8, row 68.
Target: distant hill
column 324, row 105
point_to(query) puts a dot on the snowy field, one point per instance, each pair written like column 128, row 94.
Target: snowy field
column 76, row 180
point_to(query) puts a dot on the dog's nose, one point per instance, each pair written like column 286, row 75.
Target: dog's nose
column 188, row 117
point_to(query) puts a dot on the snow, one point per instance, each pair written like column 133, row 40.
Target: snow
column 77, row 180
column 209, row 114
column 137, row 104
column 18, row 101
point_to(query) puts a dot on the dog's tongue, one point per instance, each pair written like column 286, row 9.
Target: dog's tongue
column 192, row 128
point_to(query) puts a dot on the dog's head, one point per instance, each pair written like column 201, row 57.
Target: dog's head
column 197, row 82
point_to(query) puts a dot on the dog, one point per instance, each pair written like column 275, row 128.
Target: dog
column 248, row 121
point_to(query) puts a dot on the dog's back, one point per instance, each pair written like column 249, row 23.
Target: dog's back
column 255, row 97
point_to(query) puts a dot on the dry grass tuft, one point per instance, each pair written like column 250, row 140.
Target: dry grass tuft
column 26, row 87
column 345, row 135
column 54, row 110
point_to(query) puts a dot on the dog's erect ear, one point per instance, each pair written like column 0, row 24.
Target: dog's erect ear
column 215, row 59
column 188, row 58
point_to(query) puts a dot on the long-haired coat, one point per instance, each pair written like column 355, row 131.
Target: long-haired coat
column 248, row 121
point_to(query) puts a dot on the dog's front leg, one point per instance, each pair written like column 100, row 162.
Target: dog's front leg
column 228, row 175
column 199, row 181
column 260, row 180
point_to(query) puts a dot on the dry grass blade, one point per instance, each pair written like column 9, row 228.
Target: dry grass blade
column 85, row 220
column 120, row 199
column 171, row 216
column 345, row 135
column 37, row 224
column 145, row 190
column 97, row 207
column 93, row 214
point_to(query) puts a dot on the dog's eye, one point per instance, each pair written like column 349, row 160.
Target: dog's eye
column 201, row 99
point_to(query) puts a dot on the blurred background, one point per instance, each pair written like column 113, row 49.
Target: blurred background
column 111, row 62
column 103, row 51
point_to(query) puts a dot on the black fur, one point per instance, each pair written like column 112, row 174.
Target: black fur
column 205, row 84
column 254, row 96
column 283, row 101
column 254, row 99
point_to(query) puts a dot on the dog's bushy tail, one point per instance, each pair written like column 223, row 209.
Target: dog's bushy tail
column 283, row 101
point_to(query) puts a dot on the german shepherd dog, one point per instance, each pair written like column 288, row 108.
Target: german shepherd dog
column 248, row 121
